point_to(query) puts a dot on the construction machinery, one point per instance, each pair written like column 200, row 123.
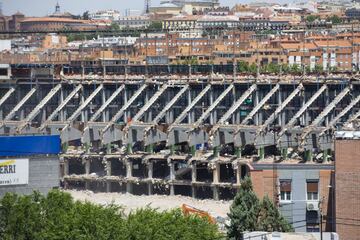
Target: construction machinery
column 187, row 210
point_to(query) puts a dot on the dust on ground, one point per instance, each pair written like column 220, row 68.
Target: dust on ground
column 162, row 202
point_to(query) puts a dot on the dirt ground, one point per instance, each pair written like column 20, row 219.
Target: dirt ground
column 131, row 202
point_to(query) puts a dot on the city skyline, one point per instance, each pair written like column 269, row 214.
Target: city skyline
column 46, row 7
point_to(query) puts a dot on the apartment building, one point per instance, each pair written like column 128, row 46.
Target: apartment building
column 303, row 192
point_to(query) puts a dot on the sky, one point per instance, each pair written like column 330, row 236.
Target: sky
column 45, row 7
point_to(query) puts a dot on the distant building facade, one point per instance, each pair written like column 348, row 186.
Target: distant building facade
column 56, row 24
column 134, row 22
column 111, row 15
column 11, row 23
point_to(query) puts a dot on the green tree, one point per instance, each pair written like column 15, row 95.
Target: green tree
column 86, row 15
column 244, row 211
column 247, row 213
column 253, row 68
column 151, row 224
column 114, row 27
column 318, row 69
column 312, row 18
column 243, row 67
column 334, row 19
column 155, row 25
column 58, row 217
column 270, row 219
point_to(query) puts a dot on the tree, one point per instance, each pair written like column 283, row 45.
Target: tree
column 114, row 27
column 244, row 211
column 270, row 219
column 155, row 25
column 58, row 216
column 334, row 19
column 243, row 66
column 86, row 15
column 312, row 18
column 247, row 213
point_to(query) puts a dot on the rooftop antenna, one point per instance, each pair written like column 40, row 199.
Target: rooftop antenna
column 147, row 6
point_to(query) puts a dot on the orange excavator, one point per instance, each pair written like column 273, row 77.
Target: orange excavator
column 187, row 210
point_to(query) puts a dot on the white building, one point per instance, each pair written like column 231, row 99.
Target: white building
column 112, row 15
column 134, row 22
column 209, row 21
column 132, row 12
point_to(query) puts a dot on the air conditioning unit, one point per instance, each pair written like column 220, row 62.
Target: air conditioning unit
column 312, row 206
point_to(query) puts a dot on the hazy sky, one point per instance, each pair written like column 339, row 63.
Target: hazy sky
column 45, row 7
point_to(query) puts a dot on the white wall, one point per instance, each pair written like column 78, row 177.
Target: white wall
column 5, row 45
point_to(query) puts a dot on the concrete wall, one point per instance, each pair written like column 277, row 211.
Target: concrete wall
column 43, row 176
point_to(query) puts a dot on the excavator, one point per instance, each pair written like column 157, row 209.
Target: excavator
column 187, row 210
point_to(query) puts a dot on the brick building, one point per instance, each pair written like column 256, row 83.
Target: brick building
column 11, row 23
column 347, row 184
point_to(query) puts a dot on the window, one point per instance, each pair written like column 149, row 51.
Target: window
column 312, row 221
column 312, row 190
column 285, row 190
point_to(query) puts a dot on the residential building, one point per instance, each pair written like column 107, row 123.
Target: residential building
column 135, row 22
column 111, row 15
column 181, row 22
column 225, row 21
column 301, row 191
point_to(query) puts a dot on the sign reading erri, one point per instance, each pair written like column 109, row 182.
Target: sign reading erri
column 14, row 171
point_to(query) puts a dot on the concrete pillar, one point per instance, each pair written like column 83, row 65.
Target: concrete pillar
column 87, row 166
column 66, row 167
column 279, row 103
column 172, row 149
column 261, row 153
column 284, row 153
column 308, row 155
column 172, row 177
column 211, row 103
column 129, row 148
column 103, row 95
column 125, row 101
column 150, row 175
column 193, row 150
column 256, row 103
column 238, row 174
column 238, row 152
column 108, row 148
column 149, row 148
column 326, row 155
column 216, row 151
column 327, row 102
column 190, row 114
column 216, row 174
column 129, row 167
column 303, row 117
column 193, row 179
column 87, row 172
column 81, row 102
column 216, row 180
column 108, row 173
